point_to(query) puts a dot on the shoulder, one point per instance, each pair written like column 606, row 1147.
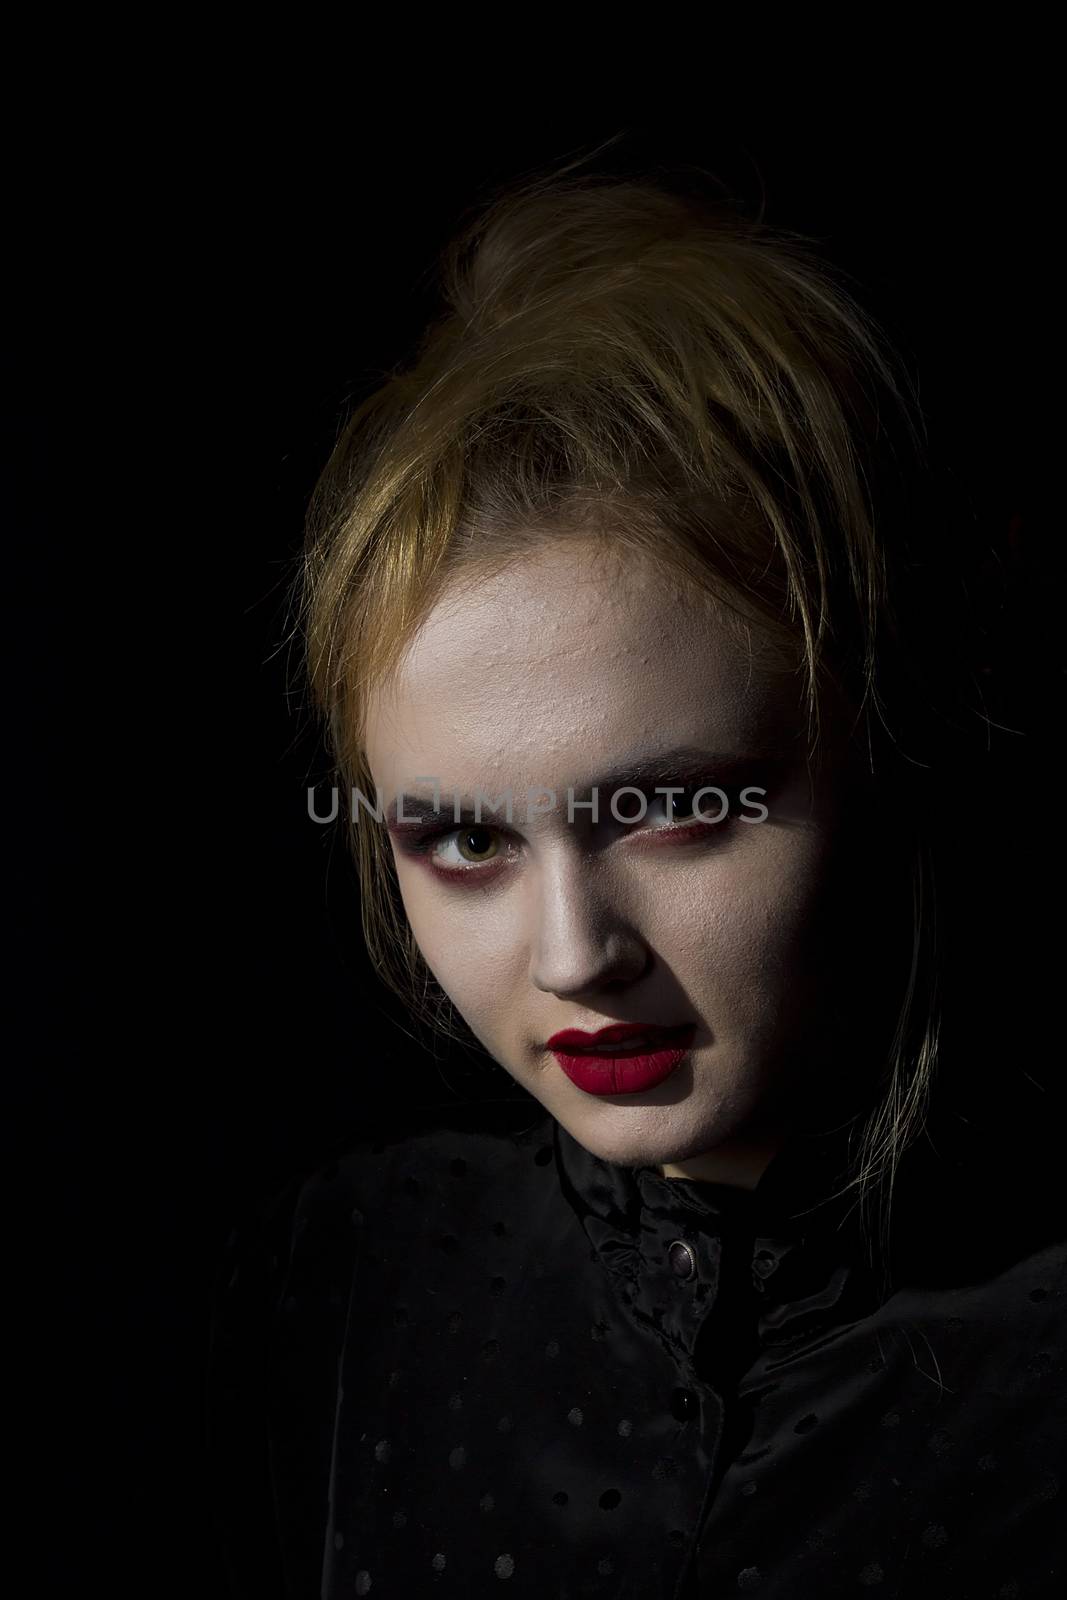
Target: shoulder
column 982, row 1274
column 482, row 1143
column 369, row 1182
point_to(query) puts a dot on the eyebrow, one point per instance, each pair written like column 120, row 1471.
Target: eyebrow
column 646, row 770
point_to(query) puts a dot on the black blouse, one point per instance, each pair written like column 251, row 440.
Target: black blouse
column 477, row 1360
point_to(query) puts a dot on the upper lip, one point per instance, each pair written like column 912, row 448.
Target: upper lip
column 617, row 1033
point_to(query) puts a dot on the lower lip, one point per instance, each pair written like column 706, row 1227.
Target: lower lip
column 627, row 1073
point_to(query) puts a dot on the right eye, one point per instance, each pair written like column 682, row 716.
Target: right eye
column 459, row 852
column 475, row 845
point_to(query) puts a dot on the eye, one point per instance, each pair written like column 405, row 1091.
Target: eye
column 696, row 804
column 457, row 851
column 475, row 845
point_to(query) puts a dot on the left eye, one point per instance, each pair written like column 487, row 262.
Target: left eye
column 713, row 806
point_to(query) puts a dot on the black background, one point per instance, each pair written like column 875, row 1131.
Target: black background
column 202, row 296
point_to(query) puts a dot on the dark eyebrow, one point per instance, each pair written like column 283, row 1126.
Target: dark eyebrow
column 645, row 770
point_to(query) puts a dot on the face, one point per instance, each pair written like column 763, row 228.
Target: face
column 542, row 678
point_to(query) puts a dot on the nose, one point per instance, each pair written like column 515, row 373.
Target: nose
column 581, row 939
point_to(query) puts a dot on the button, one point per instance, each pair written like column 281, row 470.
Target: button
column 763, row 1264
column 684, row 1405
column 682, row 1260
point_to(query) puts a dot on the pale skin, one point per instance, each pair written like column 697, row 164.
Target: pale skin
column 541, row 677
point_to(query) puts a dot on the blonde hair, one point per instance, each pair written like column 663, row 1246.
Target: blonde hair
column 632, row 358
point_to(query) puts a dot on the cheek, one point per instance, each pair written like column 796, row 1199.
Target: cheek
column 467, row 939
column 753, row 918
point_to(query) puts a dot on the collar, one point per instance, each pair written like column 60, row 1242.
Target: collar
column 786, row 1255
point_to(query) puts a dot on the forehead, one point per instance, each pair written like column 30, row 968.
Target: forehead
column 567, row 652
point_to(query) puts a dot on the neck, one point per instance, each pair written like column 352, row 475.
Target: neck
column 738, row 1163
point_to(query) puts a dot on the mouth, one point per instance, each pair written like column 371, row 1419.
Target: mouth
column 621, row 1039
column 622, row 1059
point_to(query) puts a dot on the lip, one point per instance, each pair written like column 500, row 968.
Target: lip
column 632, row 1067
column 616, row 1032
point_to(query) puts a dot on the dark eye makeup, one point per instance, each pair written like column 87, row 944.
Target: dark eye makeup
column 671, row 819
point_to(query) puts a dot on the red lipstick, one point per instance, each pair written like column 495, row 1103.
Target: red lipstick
column 630, row 1056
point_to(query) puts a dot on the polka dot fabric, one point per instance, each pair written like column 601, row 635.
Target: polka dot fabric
column 478, row 1360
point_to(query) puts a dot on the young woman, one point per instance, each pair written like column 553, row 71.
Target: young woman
column 617, row 607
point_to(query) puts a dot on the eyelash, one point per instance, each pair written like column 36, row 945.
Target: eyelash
column 422, row 844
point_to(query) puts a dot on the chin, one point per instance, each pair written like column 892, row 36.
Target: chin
column 657, row 1143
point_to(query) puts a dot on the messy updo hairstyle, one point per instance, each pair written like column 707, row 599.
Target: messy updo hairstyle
column 636, row 357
